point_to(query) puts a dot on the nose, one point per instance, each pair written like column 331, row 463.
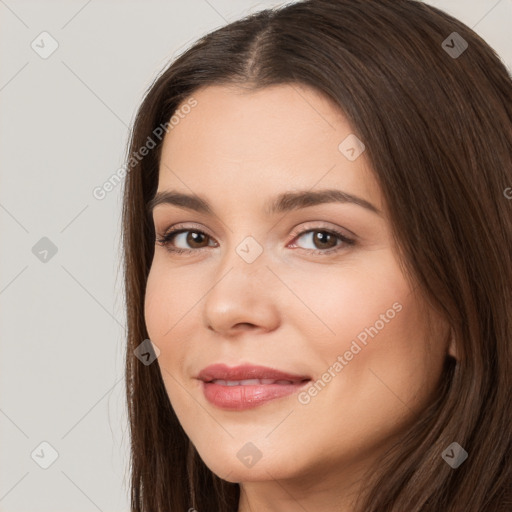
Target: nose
column 244, row 296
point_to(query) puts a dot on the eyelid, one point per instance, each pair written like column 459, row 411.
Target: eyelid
column 320, row 225
column 186, row 226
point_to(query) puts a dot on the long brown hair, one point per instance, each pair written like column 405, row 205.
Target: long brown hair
column 436, row 118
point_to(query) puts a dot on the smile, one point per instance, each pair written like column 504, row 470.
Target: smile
column 247, row 386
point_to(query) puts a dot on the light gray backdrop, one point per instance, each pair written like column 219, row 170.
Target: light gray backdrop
column 65, row 111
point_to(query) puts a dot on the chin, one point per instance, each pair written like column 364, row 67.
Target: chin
column 229, row 467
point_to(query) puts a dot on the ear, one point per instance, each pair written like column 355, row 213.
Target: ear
column 452, row 347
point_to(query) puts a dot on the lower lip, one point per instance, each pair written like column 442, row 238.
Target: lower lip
column 246, row 397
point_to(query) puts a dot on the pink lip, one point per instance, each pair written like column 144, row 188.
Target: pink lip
column 246, row 396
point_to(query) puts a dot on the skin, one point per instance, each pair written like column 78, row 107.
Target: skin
column 290, row 309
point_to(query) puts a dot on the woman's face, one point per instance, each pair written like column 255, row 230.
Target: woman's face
column 279, row 288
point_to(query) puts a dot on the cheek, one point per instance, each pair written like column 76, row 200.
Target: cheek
column 170, row 296
column 389, row 363
column 171, row 307
column 371, row 319
column 357, row 301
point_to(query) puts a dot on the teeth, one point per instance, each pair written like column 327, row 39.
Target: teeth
column 250, row 382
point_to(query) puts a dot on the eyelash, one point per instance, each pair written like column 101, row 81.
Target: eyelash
column 165, row 240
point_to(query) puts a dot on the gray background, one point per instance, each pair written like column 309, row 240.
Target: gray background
column 63, row 131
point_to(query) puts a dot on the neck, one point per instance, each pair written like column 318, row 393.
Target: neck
column 325, row 490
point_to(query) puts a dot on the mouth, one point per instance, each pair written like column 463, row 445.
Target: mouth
column 247, row 386
column 250, row 382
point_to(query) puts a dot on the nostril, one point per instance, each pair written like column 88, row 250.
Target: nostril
column 245, row 326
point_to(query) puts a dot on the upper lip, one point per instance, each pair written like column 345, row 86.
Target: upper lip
column 244, row 372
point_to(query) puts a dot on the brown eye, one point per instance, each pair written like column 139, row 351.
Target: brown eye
column 324, row 240
column 196, row 239
column 193, row 240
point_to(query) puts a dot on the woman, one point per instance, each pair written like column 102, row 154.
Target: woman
column 317, row 242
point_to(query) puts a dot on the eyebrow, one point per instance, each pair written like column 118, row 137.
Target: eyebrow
column 285, row 202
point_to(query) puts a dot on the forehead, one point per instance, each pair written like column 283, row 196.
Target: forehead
column 243, row 121
column 271, row 138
